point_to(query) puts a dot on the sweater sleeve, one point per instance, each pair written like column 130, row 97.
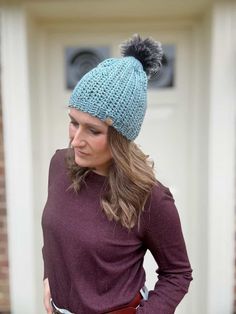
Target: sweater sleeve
column 163, row 237
column 53, row 163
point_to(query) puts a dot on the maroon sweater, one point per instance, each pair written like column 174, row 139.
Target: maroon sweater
column 94, row 265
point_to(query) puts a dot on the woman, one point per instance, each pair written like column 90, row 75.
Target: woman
column 105, row 208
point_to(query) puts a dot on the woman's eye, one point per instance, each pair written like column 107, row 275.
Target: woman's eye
column 95, row 132
column 74, row 123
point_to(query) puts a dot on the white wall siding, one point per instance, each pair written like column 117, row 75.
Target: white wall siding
column 220, row 279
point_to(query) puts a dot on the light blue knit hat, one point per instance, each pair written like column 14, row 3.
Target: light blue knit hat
column 116, row 90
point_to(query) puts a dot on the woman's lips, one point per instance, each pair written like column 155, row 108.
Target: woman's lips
column 80, row 153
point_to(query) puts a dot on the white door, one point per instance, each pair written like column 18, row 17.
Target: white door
column 166, row 134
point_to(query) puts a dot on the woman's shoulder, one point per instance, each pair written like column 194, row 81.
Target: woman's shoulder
column 160, row 199
column 58, row 159
column 160, row 191
column 59, row 155
column 58, row 167
column 160, row 210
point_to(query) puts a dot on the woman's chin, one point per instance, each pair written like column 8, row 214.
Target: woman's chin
column 81, row 163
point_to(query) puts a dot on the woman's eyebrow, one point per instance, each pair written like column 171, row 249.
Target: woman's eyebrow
column 86, row 123
column 72, row 118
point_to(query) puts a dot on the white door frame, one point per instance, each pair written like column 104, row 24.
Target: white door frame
column 18, row 160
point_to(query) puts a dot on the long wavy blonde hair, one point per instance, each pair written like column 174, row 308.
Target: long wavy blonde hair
column 129, row 181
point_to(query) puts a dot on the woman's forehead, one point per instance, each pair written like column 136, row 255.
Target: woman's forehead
column 84, row 117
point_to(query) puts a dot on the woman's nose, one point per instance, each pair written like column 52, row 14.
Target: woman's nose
column 78, row 139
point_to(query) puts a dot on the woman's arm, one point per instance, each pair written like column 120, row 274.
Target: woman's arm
column 46, row 290
column 46, row 287
column 45, row 275
column 47, row 297
column 163, row 237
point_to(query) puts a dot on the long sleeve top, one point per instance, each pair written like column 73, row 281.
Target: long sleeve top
column 95, row 265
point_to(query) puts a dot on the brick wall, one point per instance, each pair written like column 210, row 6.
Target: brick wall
column 4, row 277
column 234, row 312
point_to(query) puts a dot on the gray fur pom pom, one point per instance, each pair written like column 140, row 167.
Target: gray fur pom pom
column 148, row 51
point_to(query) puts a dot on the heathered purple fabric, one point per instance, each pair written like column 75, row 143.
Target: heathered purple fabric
column 94, row 265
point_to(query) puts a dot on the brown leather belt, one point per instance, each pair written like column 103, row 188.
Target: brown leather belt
column 129, row 308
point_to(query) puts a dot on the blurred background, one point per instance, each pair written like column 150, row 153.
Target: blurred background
column 189, row 130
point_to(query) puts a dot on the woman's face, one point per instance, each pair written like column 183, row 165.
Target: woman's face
column 88, row 137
